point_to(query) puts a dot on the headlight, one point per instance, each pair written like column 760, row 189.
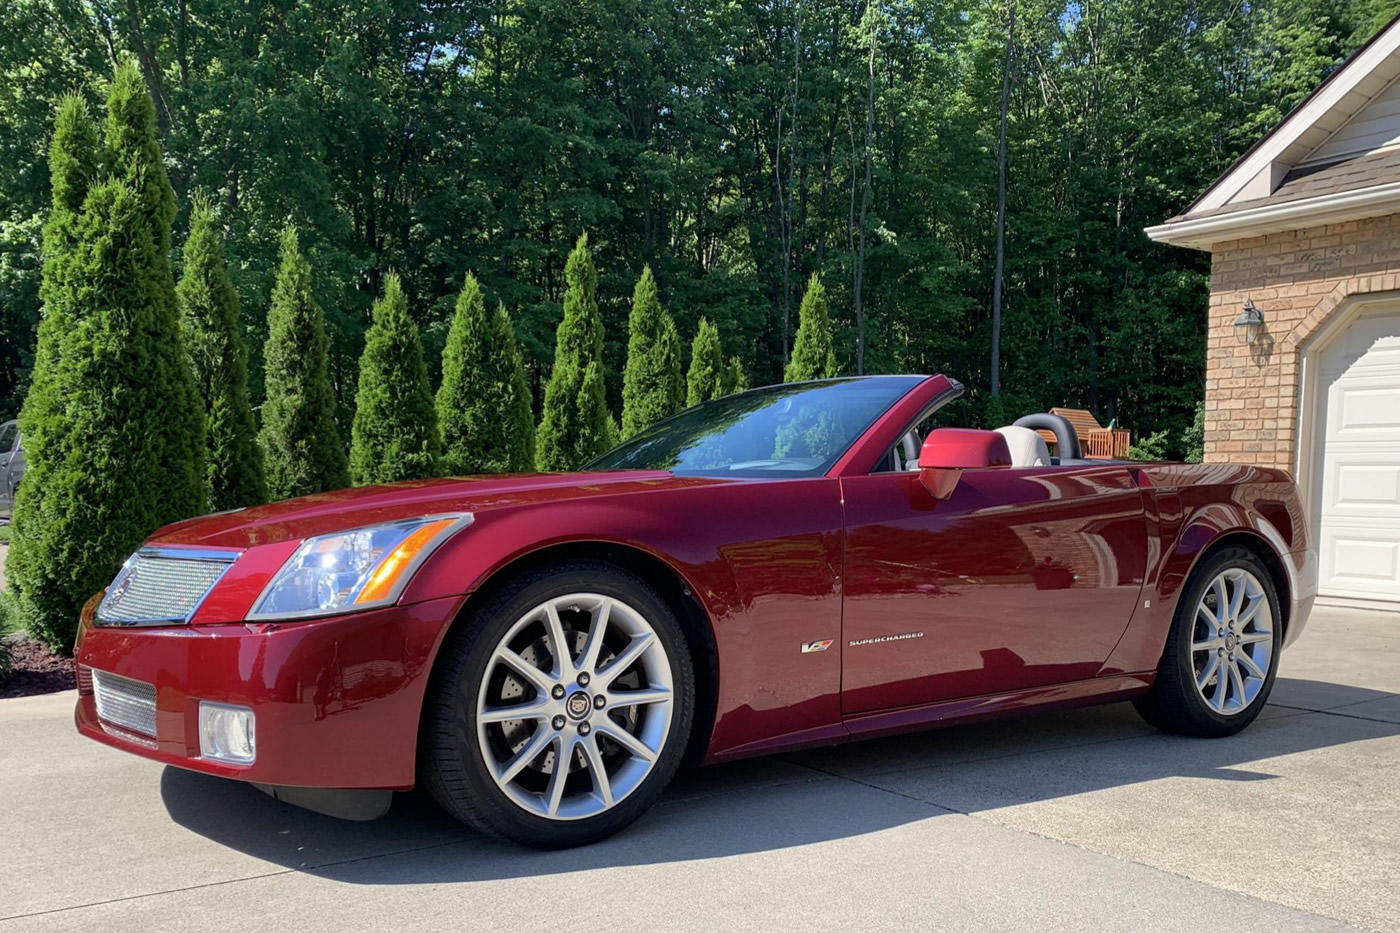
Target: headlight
column 359, row 569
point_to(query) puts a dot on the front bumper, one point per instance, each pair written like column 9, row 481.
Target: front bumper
column 336, row 700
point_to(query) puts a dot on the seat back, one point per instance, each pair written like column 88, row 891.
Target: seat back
column 1027, row 447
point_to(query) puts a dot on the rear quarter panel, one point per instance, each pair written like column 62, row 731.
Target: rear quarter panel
column 1189, row 507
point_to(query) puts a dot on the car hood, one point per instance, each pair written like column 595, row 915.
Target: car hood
column 343, row 509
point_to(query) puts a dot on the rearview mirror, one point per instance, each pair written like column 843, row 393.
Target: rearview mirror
column 949, row 451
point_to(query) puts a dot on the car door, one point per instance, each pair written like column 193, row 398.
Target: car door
column 1020, row 578
column 9, row 433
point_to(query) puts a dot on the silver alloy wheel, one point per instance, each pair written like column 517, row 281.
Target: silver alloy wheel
column 1232, row 641
column 575, row 706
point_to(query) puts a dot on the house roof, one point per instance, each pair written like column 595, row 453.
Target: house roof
column 1335, row 157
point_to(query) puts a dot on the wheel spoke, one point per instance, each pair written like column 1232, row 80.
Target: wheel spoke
column 1254, row 669
column 558, row 642
column 629, row 742
column 1238, row 682
column 1251, row 638
column 1211, row 666
column 626, row 658
column 621, row 699
column 1210, row 645
column 554, row 792
column 1250, row 611
column 1237, row 598
column 598, row 629
column 1222, row 688
column 1211, row 618
column 525, row 711
column 539, row 679
column 1222, row 598
column 507, row 771
column 602, row 784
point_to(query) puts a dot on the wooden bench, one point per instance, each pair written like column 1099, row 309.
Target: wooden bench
column 1096, row 442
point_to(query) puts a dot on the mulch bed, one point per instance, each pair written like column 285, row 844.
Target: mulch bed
column 34, row 669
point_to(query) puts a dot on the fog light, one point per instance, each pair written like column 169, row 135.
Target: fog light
column 226, row 733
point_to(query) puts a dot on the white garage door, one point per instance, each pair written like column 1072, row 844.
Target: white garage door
column 1359, row 537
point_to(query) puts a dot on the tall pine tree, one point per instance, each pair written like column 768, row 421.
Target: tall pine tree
column 395, row 432
column 705, row 381
column 210, row 317
column 483, row 405
column 652, row 384
column 813, row 355
column 134, row 155
column 93, row 486
column 576, row 426
column 299, row 437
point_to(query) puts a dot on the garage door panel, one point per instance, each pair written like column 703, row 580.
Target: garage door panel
column 1359, row 501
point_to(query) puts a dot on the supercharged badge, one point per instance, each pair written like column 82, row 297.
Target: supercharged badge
column 880, row 639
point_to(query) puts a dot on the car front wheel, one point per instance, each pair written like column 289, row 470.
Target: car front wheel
column 562, row 707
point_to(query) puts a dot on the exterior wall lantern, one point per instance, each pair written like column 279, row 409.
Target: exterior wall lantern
column 1250, row 323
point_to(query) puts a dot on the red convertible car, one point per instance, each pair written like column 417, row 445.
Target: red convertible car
column 795, row 565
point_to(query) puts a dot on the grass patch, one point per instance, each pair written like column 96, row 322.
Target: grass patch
column 5, row 533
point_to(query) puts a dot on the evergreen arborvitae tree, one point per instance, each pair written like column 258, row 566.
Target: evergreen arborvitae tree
column 133, row 154
column 705, row 381
column 576, row 425
column 813, row 355
column 395, row 432
column 734, row 379
column 483, row 405
column 93, row 487
column 210, row 316
column 652, row 384
column 299, row 437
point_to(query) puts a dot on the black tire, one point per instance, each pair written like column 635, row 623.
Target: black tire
column 452, row 767
column 1174, row 703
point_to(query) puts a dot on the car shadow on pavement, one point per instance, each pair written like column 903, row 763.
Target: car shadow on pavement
column 796, row 799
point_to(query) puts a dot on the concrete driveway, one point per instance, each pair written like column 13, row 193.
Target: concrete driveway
column 1083, row 820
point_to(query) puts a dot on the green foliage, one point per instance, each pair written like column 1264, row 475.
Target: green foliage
column 1193, row 439
column 734, row 379
column 652, row 386
column 395, row 433
column 1151, row 447
column 705, row 379
column 576, row 425
column 483, row 404
column 813, row 356
column 94, row 485
column 302, row 447
column 133, row 154
column 114, row 432
column 660, row 132
column 211, row 320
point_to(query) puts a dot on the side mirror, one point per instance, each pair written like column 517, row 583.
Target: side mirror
column 949, row 451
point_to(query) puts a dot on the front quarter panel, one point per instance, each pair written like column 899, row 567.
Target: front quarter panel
column 762, row 557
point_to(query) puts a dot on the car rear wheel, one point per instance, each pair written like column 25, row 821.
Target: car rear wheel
column 562, row 707
column 1221, row 656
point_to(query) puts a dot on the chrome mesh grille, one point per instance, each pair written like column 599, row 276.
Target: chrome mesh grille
column 125, row 703
column 154, row 588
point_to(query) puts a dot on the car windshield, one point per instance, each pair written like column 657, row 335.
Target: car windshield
column 797, row 429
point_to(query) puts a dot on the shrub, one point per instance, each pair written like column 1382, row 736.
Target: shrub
column 113, row 426
column 813, row 355
column 734, row 378
column 483, row 405
column 210, row 317
column 395, row 433
column 705, row 379
column 94, row 485
column 652, row 385
column 576, row 425
column 1151, row 447
column 1193, row 439
column 299, row 437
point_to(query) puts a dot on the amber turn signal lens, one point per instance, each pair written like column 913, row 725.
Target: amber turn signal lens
column 382, row 581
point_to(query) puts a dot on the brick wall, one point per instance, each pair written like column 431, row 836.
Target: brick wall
column 1298, row 279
